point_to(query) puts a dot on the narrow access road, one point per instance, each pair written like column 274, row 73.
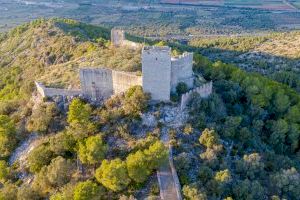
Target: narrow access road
column 168, row 190
column 167, row 177
column 286, row 2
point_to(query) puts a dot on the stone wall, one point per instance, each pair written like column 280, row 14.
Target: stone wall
column 96, row 84
column 101, row 83
column 132, row 45
column 204, row 91
column 122, row 81
column 118, row 39
column 182, row 71
column 156, row 67
column 51, row 92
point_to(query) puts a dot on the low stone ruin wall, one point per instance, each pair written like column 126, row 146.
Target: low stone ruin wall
column 51, row 92
column 204, row 91
column 132, row 45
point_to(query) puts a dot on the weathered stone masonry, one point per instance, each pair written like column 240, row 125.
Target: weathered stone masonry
column 101, row 83
column 156, row 67
column 204, row 91
column 162, row 72
column 96, row 84
column 182, row 70
column 51, row 92
column 118, row 39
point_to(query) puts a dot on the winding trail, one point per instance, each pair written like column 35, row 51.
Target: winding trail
column 23, row 150
column 21, row 153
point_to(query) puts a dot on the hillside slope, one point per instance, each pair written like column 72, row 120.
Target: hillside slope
column 276, row 55
column 44, row 49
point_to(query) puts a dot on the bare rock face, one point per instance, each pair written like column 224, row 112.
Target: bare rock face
column 149, row 120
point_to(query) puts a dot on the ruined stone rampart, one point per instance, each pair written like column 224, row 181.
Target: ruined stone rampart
column 174, row 173
column 182, row 70
column 101, row 83
column 51, row 92
column 118, row 39
column 132, row 45
column 96, row 83
column 204, row 91
column 122, row 81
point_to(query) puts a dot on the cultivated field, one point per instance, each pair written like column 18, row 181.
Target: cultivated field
column 260, row 4
column 157, row 19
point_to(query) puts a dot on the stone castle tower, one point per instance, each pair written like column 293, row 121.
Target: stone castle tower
column 156, row 68
column 117, row 37
column 162, row 72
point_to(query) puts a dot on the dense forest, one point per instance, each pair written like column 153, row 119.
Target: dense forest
column 243, row 141
column 240, row 143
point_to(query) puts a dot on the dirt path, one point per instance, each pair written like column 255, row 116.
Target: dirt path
column 24, row 149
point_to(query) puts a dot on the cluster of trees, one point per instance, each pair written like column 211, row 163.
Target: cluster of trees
column 128, row 106
column 238, row 44
column 276, row 105
column 289, row 78
column 41, row 118
column 116, row 174
column 249, row 137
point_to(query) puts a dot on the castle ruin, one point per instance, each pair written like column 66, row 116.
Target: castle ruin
column 117, row 37
column 161, row 74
